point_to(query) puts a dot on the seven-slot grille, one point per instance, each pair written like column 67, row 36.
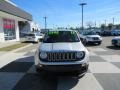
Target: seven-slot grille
column 114, row 41
column 61, row 56
column 95, row 38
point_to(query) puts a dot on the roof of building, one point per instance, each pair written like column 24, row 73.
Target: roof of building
column 8, row 7
column 11, row 2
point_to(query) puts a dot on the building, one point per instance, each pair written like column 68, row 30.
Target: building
column 13, row 21
column 35, row 27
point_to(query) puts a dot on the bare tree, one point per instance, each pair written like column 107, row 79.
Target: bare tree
column 103, row 26
column 118, row 26
column 110, row 25
column 90, row 24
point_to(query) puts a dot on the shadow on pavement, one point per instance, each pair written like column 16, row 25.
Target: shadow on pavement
column 91, row 45
column 61, row 80
column 30, row 80
column 30, row 42
column 113, row 47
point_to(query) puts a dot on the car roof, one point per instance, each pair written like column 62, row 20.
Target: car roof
column 61, row 30
column 30, row 33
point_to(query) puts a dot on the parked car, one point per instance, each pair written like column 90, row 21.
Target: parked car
column 98, row 32
column 62, row 51
column 34, row 37
column 116, row 41
column 106, row 33
column 90, row 37
column 115, row 32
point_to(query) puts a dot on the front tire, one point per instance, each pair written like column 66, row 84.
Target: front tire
column 39, row 70
column 85, row 42
column 38, row 41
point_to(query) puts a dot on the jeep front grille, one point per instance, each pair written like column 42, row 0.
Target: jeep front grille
column 61, row 57
column 114, row 41
column 95, row 38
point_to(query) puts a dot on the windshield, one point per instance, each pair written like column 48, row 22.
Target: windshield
column 61, row 36
column 30, row 34
column 89, row 33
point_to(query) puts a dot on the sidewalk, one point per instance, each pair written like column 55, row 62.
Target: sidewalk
column 10, row 57
column 7, row 57
column 5, row 44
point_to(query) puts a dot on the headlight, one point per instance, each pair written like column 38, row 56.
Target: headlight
column 100, row 38
column 80, row 55
column 43, row 55
column 89, row 38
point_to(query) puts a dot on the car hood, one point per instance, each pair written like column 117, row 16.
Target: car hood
column 117, row 38
column 92, row 36
column 78, row 46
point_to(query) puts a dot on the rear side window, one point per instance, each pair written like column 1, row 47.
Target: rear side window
column 30, row 34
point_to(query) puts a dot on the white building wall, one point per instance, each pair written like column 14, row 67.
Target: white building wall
column 9, row 16
column 35, row 26
column 17, row 31
column 2, row 39
column 1, row 30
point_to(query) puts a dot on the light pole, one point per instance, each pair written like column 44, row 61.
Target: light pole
column 45, row 22
column 82, row 5
column 95, row 24
column 113, row 21
column 105, row 22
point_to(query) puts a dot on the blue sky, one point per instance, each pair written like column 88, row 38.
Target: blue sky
column 68, row 12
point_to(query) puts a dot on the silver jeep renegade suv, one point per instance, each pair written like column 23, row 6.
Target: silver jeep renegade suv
column 62, row 51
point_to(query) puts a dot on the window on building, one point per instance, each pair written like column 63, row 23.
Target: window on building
column 9, row 29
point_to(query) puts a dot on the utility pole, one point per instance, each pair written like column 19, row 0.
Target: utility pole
column 105, row 22
column 95, row 24
column 45, row 22
column 82, row 5
column 99, row 24
column 113, row 21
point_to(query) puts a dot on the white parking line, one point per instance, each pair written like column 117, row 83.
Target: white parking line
column 111, row 58
column 97, row 49
column 103, row 67
column 7, row 58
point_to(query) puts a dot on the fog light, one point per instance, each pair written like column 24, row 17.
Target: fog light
column 40, row 65
column 43, row 55
column 84, row 64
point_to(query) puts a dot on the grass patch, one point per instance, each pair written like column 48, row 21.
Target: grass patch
column 13, row 47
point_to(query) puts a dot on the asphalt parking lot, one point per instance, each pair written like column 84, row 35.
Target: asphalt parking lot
column 103, row 73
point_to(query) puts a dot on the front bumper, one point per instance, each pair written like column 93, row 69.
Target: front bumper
column 115, row 42
column 31, row 40
column 94, row 41
column 82, row 68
